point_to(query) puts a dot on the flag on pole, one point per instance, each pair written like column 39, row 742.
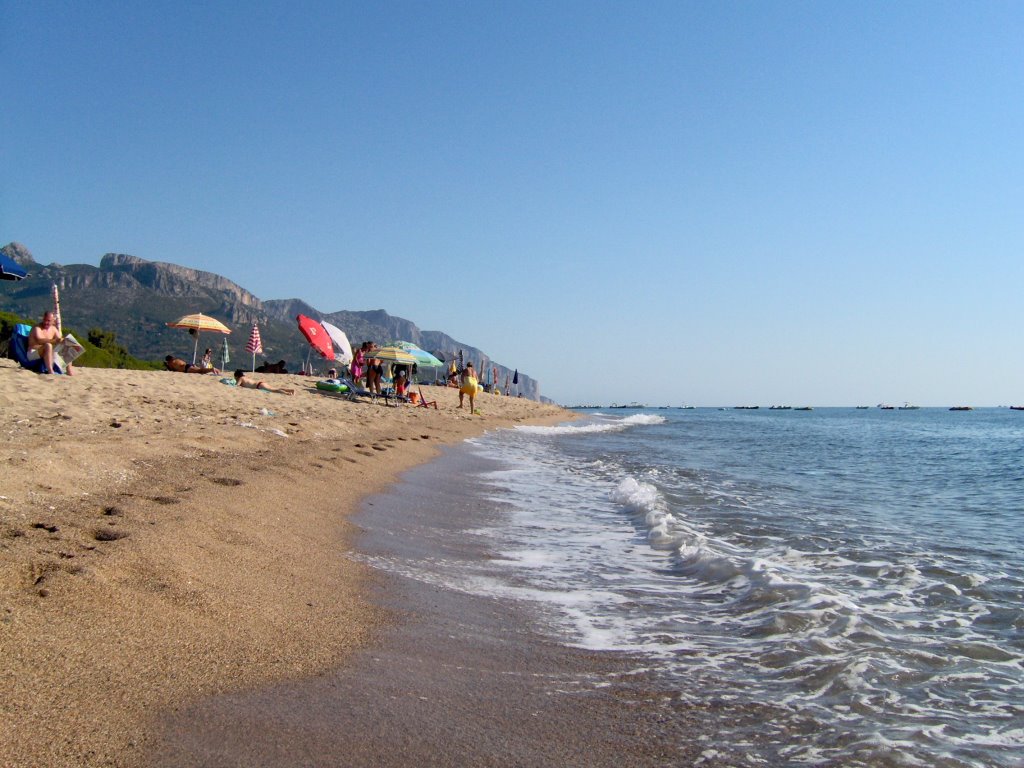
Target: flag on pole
column 255, row 345
column 56, row 310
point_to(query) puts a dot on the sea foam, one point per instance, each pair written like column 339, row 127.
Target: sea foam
column 613, row 425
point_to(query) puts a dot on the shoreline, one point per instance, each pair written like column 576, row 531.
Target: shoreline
column 457, row 679
column 165, row 538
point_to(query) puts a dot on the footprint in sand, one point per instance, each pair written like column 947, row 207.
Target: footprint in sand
column 379, row 448
column 109, row 534
column 113, row 511
column 165, row 500
column 228, row 481
column 48, row 527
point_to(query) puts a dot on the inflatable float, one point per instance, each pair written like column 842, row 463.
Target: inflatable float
column 332, row 385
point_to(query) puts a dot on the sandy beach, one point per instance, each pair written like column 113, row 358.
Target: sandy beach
column 165, row 538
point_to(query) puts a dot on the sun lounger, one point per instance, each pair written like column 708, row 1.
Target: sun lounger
column 354, row 392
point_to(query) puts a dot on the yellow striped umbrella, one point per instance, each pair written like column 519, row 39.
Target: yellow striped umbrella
column 392, row 355
column 196, row 323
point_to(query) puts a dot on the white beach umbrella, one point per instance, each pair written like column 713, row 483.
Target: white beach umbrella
column 340, row 340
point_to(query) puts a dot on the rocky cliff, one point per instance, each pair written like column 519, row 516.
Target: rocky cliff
column 136, row 298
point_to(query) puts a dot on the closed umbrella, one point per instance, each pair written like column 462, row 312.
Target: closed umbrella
column 225, row 355
column 197, row 323
column 56, row 309
column 255, row 344
column 340, row 340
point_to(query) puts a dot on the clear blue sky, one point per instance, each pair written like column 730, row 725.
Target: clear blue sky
column 711, row 202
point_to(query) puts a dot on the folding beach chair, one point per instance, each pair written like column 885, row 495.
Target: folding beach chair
column 424, row 402
column 19, row 350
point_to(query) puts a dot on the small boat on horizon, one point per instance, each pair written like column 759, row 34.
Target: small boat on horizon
column 961, row 408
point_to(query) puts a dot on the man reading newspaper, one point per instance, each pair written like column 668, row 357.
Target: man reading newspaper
column 46, row 343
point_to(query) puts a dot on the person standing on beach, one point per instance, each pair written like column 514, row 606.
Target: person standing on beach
column 358, row 366
column 42, row 343
column 374, row 374
column 469, row 386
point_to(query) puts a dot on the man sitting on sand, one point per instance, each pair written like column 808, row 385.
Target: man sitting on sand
column 241, row 381
column 43, row 341
column 176, row 364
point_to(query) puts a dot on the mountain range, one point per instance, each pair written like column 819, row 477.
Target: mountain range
column 136, row 299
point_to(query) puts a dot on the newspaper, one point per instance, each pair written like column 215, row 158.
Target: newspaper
column 69, row 349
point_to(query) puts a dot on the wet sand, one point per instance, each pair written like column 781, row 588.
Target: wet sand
column 453, row 679
column 165, row 538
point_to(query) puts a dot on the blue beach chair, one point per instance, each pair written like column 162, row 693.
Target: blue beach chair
column 19, row 348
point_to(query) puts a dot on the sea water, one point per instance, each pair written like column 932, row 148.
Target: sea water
column 845, row 586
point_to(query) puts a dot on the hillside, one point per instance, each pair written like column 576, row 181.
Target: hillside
column 135, row 299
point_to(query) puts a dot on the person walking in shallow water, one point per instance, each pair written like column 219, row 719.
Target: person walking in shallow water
column 469, row 386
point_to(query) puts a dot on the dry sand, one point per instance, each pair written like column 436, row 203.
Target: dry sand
column 165, row 537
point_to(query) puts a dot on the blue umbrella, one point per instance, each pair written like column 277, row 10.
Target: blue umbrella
column 10, row 269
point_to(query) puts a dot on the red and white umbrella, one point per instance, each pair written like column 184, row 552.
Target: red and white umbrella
column 255, row 344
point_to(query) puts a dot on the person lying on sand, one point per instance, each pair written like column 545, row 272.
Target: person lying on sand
column 241, row 381
column 43, row 340
column 178, row 365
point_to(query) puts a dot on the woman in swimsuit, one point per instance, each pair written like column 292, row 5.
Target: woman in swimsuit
column 357, row 368
column 374, row 374
column 469, row 385
column 241, row 381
